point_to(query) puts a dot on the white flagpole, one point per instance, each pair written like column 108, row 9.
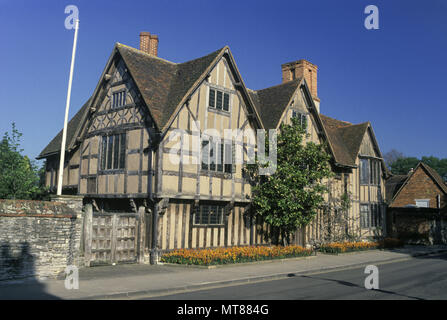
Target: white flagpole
column 67, row 106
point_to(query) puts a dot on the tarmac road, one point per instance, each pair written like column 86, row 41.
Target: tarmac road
column 418, row 278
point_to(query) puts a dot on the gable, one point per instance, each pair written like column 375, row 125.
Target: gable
column 161, row 84
column 419, row 185
column 367, row 147
column 198, row 114
column 164, row 84
column 273, row 101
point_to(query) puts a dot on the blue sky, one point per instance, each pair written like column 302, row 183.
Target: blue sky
column 394, row 77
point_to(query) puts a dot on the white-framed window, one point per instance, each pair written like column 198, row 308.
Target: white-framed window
column 422, row 203
column 219, row 100
column 118, row 99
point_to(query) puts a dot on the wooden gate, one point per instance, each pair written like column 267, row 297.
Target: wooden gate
column 111, row 238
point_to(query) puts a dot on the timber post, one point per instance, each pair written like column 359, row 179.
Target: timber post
column 88, row 220
column 141, row 233
column 154, row 247
column 159, row 210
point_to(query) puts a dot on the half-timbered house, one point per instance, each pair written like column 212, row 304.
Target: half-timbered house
column 146, row 193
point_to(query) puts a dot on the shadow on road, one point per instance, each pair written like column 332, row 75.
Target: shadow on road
column 350, row 284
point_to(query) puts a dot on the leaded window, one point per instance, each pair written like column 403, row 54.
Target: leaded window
column 118, row 99
column 113, row 149
column 370, row 215
column 218, row 156
column 209, row 215
column 370, row 171
column 219, row 100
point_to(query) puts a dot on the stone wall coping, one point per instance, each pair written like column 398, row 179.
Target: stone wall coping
column 35, row 208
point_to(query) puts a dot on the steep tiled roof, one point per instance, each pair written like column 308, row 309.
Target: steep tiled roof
column 163, row 84
column 271, row 102
column 395, row 184
column 392, row 185
column 435, row 176
column 344, row 138
column 72, row 128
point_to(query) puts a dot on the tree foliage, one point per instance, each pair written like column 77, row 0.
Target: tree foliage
column 289, row 198
column 391, row 156
column 19, row 177
column 402, row 165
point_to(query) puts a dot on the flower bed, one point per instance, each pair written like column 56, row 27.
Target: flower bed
column 341, row 247
column 207, row 257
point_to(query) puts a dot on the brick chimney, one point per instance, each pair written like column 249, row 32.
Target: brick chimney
column 149, row 43
column 302, row 69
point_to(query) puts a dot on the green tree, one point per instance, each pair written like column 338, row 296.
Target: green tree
column 290, row 197
column 391, row 156
column 403, row 165
column 18, row 174
column 440, row 165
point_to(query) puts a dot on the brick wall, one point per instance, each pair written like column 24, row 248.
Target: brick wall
column 149, row 43
column 420, row 186
column 38, row 238
column 418, row 225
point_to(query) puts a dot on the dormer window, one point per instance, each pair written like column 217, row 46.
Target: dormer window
column 219, row 100
column 118, row 99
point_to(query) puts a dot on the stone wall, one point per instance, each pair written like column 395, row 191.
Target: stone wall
column 38, row 238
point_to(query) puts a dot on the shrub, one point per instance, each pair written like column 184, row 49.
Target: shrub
column 233, row 255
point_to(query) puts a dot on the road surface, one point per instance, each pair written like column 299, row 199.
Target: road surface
column 418, row 278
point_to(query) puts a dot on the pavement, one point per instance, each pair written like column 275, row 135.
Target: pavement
column 143, row 281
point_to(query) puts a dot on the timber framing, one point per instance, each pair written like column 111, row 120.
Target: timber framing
column 159, row 185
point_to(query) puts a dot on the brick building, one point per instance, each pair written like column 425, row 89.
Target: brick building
column 417, row 211
column 421, row 188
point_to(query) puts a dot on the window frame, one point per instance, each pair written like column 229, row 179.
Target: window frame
column 121, row 102
column 225, row 96
column 109, row 150
column 302, row 116
column 373, row 171
column 216, row 150
column 427, row 201
column 372, row 217
column 198, row 215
